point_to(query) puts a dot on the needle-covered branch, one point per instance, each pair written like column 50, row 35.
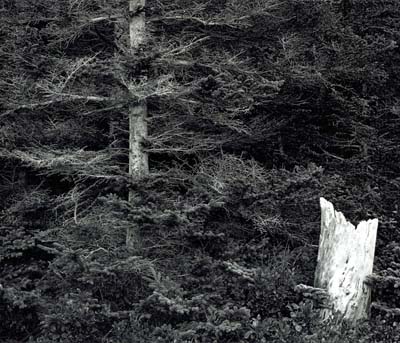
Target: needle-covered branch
column 87, row 164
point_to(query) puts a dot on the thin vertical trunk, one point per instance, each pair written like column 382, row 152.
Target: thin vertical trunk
column 138, row 159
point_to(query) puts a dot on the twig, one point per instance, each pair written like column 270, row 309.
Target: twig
column 60, row 98
column 385, row 309
column 245, row 273
column 320, row 295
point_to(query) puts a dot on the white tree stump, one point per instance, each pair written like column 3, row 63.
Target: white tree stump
column 345, row 259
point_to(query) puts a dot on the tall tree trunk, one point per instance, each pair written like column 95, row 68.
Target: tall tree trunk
column 138, row 159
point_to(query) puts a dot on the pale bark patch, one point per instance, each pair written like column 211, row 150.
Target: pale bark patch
column 345, row 259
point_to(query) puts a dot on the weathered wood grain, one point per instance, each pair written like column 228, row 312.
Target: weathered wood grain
column 345, row 259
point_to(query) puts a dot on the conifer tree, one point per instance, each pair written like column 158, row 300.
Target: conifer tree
column 138, row 159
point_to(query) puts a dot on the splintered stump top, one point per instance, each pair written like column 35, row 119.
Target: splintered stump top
column 345, row 258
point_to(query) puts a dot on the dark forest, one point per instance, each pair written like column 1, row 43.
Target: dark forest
column 254, row 110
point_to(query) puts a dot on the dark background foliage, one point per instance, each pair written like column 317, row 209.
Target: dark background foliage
column 257, row 109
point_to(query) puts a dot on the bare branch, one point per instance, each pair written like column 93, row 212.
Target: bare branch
column 60, row 98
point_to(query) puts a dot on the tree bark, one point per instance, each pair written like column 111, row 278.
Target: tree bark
column 345, row 259
column 138, row 159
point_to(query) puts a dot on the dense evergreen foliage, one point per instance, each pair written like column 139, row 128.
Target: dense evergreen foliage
column 256, row 109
